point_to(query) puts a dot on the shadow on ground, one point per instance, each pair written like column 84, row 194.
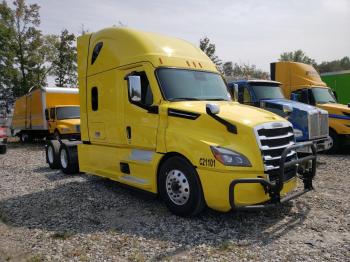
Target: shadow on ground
column 99, row 205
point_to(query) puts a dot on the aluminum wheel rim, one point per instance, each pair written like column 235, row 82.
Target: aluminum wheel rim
column 64, row 158
column 50, row 154
column 177, row 187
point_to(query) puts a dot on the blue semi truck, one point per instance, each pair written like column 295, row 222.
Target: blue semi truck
column 310, row 123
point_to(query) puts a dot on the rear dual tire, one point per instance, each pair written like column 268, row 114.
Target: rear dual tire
column 59, row 155
column 68, row 156
column 52, row 154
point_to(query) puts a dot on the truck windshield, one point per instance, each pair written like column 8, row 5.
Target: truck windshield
column 182, row 84
column 323, row 95
column 68, row 112
column 267, row 92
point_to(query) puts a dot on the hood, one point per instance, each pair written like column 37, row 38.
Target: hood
column 232, row 112
column 336, row 109
column 291, row 103
column 69, row 122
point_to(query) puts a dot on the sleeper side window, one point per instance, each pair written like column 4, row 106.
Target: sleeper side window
column 94, row 98
column 96, row 52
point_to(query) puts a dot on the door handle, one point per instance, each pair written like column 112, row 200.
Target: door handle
column 128, row 132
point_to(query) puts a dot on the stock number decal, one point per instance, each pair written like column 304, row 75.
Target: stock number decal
column 207, row 162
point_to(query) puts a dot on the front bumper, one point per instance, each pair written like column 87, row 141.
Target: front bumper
column 274, row 189
column 321, row 144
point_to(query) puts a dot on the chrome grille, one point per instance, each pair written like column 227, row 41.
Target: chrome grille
column 272, row 139
column 318, row 124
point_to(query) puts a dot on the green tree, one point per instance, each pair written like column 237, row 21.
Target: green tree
column 64, row 66
column 335, row 65
column 31, row 53
column 8, row 73
column 243, row 71
column 297, row 56
column 209, row 49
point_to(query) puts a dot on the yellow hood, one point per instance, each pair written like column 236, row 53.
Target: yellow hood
column 69, row 122
column 230, row 111
column 338, row 109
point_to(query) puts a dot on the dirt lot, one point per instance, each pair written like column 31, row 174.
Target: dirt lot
column 48, row 216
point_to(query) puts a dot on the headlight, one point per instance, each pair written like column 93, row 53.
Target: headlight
column 298, row 132
column 229, row 157
column 287, row 109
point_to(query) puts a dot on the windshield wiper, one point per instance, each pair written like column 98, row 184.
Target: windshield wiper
column 184, row 99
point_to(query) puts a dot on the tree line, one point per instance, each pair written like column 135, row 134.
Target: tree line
column 27, row 56
column 234, row 71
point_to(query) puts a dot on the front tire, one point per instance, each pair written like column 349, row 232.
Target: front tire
column 336, row 143
column 3, row 149
column 180, row 187
column 52, row 154
column 69, row 159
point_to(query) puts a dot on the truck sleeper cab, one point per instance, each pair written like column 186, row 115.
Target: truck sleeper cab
column 301, row 82
column 156, row 115
column 309, row 123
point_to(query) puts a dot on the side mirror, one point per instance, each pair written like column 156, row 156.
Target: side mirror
column 134, row 85
column 235, row 92
column 47, row 115
column 295, row 97
column 335, row 94
column 304, row 97
column 240, row 94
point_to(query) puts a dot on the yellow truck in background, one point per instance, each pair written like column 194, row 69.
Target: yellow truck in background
column 301, row 82
column 157, row 115
column 46, row 112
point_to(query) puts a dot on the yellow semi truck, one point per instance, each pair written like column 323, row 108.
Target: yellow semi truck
column 46, row 112
column 157, row 115
column 301, row 82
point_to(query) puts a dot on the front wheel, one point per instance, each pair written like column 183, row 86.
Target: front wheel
column 180, row 187
column 336, row 143
column 3, row 149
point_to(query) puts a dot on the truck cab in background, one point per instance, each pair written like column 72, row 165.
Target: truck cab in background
column 309, row 123
column 63, row 121
column 301, row 82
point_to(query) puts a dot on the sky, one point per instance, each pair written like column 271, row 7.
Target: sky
column 244, row 31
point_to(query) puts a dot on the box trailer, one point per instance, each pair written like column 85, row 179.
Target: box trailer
column 340, row 83
column 47, row 111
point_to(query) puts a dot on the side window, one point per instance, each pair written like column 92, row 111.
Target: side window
column 52, row 113
column 96, row 52
column 246, row 96
column 146, row 92
column 94, row 99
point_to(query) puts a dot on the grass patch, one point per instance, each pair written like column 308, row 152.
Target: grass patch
column 35, row 258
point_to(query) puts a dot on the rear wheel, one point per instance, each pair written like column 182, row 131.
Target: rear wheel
column 52, row 154
column 336, row 143
column 68, row 156
column 3, row 149
column 180, row 187
column 25, row 137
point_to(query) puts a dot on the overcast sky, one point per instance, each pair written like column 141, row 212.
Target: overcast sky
column 250, row 31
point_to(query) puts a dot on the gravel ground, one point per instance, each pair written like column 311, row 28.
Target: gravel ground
column 48, row 216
